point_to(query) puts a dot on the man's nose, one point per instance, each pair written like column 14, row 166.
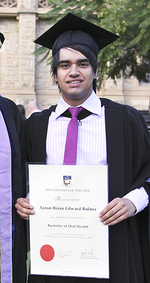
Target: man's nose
column 74, row 70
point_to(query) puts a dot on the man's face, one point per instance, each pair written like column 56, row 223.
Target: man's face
column 74, row 76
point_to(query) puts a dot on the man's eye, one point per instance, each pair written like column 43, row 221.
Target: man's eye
column 84, row 65
column 64, row 66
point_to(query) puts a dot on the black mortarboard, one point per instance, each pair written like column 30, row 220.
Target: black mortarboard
column 2, row 38
column 72, row 29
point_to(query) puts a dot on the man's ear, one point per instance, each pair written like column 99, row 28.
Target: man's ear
column 55, row 77
column 95, row 74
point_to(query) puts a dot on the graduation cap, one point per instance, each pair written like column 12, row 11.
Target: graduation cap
column 71, row 30
column 2, row 38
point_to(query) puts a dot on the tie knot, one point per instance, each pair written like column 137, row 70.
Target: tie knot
column 75, row 111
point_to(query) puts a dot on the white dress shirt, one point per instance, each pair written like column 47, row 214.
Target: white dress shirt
column 91, row 146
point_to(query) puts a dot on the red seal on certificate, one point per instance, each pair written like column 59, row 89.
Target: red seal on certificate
column 47, row 252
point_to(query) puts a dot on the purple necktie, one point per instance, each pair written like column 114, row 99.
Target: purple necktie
column 72, row 136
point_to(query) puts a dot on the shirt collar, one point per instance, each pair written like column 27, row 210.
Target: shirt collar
column 93, row 104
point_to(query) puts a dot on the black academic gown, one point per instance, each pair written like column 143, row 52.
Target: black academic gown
column 128, row 156
column 15, row 130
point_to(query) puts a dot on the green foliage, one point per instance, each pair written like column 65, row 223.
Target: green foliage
column 130, row 54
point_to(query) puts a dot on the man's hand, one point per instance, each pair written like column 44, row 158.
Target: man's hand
column 24, row 209
column 116, row 211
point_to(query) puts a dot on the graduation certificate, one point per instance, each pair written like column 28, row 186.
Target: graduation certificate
column 66, row 235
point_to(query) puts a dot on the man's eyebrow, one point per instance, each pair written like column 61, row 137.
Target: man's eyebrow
column 64, row 61
column 83, row 60
column 69, row 61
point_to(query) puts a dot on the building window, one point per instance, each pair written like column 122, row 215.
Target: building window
column 43, row 4
column 148, row 77
column 8, row 3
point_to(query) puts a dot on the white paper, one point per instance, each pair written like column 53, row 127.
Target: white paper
column 66, row 235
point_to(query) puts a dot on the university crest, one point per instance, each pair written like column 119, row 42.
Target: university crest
column 67, row 180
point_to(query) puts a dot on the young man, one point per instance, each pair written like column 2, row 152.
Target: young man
column 12, row 186
column 108, row 133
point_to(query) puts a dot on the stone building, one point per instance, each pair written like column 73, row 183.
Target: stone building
column 22, row 78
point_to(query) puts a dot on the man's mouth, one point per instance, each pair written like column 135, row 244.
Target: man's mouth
column 74, row 82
